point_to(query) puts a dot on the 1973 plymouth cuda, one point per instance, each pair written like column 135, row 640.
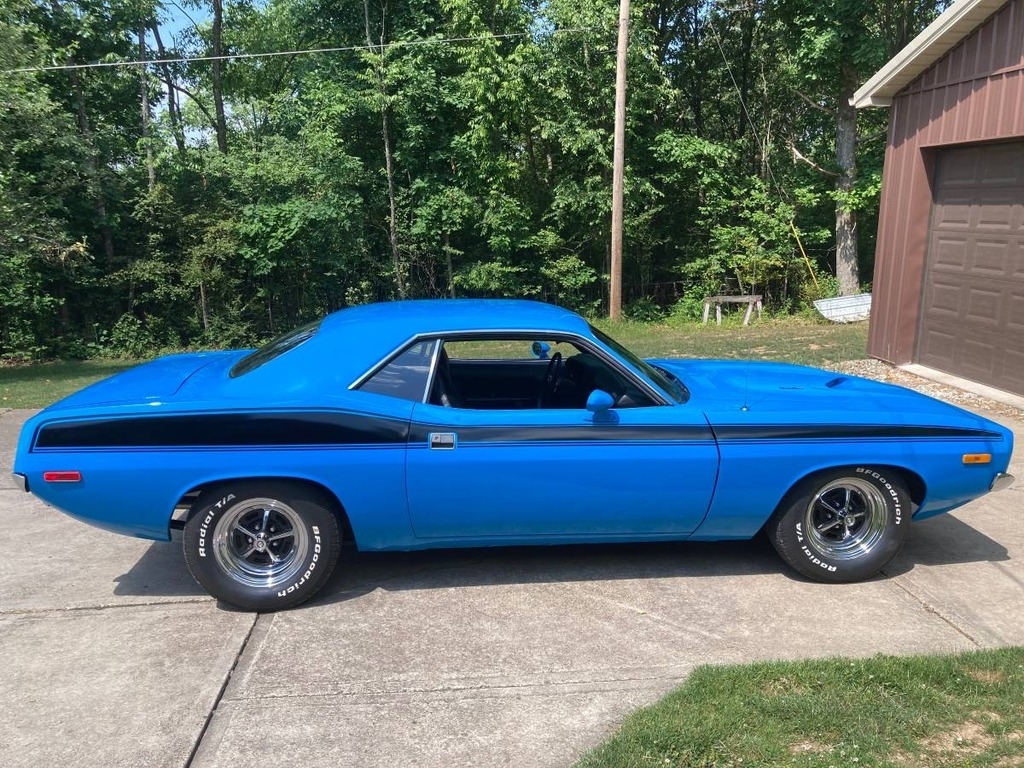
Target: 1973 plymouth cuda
column 459, row 423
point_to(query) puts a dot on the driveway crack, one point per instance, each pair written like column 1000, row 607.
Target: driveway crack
column 220, row 694
column 929, row 608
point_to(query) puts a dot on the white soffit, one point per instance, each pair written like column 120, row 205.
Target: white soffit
column 937, row 39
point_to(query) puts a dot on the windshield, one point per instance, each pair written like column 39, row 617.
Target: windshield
column 659, row 376
column 278, row 346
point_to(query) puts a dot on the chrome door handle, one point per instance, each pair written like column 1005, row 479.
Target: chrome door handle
column 442, row 441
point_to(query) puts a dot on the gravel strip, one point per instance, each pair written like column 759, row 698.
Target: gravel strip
column 880, row 371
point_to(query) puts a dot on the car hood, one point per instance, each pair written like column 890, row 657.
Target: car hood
column 152, row 382
column 797, row 394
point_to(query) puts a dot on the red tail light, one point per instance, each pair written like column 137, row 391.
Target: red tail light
column 62, row 476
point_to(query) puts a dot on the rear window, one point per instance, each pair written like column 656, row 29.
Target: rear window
column 275, row 348
column 406, row 375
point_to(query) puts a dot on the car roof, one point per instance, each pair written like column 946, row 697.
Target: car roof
column 402, row 319
column 350, row 342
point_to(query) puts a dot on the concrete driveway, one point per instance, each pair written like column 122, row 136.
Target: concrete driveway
column 112, row 656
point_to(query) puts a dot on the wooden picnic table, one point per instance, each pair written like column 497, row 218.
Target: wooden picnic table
column 752, row 302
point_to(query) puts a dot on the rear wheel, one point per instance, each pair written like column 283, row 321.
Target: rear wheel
column 844, row 525
column 262, row 545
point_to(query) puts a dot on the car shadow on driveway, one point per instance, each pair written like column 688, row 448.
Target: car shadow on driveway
column 945, row 540
column 161, row 571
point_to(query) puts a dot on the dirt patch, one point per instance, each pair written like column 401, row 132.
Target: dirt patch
column 986, row 676
column 965, row 740
column 783, row 686
column 961, row 743
column 809, row 748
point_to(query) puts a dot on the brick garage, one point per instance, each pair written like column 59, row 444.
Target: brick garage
column 949, row 269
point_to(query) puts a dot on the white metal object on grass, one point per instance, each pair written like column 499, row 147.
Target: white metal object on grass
column 845, row 309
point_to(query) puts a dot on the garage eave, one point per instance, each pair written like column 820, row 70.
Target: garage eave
column 938, row 38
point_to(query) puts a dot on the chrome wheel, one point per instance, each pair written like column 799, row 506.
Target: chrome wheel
column 846, row 518
column 260, row 542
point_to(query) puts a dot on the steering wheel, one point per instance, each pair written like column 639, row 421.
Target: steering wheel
column 552, row 375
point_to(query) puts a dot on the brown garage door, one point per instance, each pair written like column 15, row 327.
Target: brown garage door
column 972, row 316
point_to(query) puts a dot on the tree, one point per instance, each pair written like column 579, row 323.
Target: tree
column 837, row 46
column 40, row 160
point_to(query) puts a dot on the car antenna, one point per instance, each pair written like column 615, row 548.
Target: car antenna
column 746, row 386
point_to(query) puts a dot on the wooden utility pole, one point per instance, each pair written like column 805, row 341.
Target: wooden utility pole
column 618, row 166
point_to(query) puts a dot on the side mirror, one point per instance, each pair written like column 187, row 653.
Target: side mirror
column 540, row 350
column 599, row 401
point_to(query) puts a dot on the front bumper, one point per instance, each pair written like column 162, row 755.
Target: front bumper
column 1002, row 480
column 20, row 480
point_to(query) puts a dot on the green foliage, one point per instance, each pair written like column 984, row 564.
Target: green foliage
column 496, row 277
column 643, row 310
column 568, row 279
column 130, row 338
column 465, row 151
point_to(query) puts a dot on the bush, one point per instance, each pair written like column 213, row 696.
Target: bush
column 130, row 338
column 644, row 310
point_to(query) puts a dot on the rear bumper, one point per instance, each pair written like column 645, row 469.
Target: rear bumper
column 1002, row 480
column 20, row 480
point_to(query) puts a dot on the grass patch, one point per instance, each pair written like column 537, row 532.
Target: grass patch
column 791, row 340
column 36, row 386
column 935, row 711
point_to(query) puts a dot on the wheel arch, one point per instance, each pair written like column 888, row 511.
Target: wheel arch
column 859, row 535
column 915, row 484
column 186, row 504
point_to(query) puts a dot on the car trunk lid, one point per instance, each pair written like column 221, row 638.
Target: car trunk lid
column 155, row 381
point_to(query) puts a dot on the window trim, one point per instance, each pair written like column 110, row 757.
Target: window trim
column 591, row 345
column 406, row 345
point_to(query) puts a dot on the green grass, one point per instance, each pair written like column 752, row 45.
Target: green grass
column 36, row 386
column 931, row 711
column 792, row 340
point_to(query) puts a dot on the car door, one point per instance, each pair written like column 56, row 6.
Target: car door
column 559, row 472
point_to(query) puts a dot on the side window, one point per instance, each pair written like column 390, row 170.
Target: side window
column 406, row 375
column 505, row 349
column 526, row 373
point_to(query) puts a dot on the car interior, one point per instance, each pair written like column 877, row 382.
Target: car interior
column 559, row 375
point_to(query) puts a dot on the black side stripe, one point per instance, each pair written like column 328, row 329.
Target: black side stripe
column 324, row 428
column 294, row 428
column 568, row 433
column 761, row 432
column 695, row 433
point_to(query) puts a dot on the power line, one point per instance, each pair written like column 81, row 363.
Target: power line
column 269, row 54
column 746, row 112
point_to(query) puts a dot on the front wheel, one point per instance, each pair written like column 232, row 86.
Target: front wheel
column 262, row 545
column 844, row 525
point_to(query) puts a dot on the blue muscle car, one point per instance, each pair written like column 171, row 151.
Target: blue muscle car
column 419, row 424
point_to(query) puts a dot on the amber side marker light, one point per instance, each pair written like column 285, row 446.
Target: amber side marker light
column 63, row 476
column 977, row 458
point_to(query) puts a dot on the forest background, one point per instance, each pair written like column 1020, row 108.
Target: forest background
column 278, row 160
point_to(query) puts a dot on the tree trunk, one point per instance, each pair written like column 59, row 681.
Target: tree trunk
column 847, row 271
column 203, row 306
column 448, row 264
column 389, row 158
column 94, row 168
column 173, row 109
column 144, row 108
column 218, row 88
column 92, row 161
